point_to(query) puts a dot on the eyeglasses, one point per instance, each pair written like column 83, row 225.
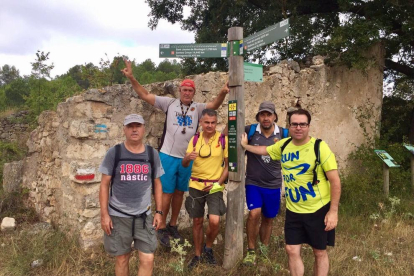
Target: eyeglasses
column 199, row 152
column 301, row 125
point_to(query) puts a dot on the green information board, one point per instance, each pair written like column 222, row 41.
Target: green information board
column 189, row 50
column 267, row 36
column 409, row 147
column 253, row 72
column 232, row 136
column 387, row 158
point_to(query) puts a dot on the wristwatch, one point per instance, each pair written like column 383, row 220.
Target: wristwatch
column 159, row 212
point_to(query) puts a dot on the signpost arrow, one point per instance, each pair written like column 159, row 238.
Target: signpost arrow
column 267, row 36
column 192, row 50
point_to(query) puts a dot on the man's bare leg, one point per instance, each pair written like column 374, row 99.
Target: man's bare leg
column 198, row 235
column 176, row 203
column 296, row 266
column 252, row 227
column 212, row 229
column 266, row 230
column 122, row 265
column 146, row 264
column 321, row 266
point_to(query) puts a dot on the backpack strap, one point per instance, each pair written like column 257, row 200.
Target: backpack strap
column 195, row 139
column 317, row 162
column 116, row 161
column 285, row 132
column 282, row 148
column 252, row 130
column 222, row 140
column 150, row 153
column 165, row 126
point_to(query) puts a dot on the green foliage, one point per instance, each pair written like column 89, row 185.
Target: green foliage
column 362, row 185
column 147, row 72
column 179, row 248
column 341, row 29
column 395, row 117
column 8, row 74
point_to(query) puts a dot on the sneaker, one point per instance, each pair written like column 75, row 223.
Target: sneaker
column 173, row 231
column 208, row 256
column 195, row 261
column 250, row 258
column 164, row 237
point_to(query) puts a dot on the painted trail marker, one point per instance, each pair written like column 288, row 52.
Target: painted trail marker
column 193, row 50
column 253, row 72
column 267, row 36
column 389, row 162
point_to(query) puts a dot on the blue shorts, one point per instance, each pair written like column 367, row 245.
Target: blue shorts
column 267, row 199
column 175, row 176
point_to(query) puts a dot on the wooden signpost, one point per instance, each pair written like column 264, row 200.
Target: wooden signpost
column 389, row 162
column 233, row 247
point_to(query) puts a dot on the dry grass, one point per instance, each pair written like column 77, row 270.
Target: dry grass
column 384, row 248
column 7, row 112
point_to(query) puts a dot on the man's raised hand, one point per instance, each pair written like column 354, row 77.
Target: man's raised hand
column 127, row 71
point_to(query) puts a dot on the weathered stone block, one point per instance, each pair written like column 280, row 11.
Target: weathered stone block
column 8, row 224
column 12, row 176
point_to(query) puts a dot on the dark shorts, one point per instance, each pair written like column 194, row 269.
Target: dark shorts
column 266, row 199
column 309, row 228
column 196, row 202
column 120, row 240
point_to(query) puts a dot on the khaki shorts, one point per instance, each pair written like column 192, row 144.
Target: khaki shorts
column 120, row 240
column 196, row 201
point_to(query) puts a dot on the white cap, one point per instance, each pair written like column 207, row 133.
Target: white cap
column 133, row 118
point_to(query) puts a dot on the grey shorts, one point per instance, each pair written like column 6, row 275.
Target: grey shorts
column 120, row 240
column 196, row 201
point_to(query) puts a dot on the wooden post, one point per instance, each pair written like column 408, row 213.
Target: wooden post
column 233, row 247
column 412, row 172
column 386, row 179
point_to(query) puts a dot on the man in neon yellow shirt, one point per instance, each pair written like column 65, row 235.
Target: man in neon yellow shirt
column 209, row 171
column 311, row 202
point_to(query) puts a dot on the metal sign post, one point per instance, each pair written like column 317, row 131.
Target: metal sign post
column 389, row 162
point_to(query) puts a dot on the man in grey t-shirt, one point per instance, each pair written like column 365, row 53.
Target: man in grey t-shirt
column 125, row 204
column 263, row 180
column 181, row 124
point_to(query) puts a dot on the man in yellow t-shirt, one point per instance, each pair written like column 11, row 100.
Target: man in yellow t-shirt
column 312, row 204
column 208, row 173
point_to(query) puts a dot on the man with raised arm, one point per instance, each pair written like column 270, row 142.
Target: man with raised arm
column 182, row 116
column 208, row 150
column 129, row 172
column 263, row 180
column 313, row 189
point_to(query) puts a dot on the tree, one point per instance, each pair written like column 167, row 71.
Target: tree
column 16, row 91
column 337, row 28
column 8, row 74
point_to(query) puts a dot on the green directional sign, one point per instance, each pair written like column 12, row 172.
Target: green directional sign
column 253, row 72
column 192, row 50
column 267, row 36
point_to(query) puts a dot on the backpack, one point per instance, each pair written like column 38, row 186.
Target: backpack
column 222, row 140
column 316, row 147
column 252, row 130
column 150, row 160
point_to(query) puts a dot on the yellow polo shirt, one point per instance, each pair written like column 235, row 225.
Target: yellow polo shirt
column 209, row 168
column 297, row 169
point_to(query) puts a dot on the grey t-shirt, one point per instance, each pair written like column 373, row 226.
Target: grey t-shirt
column 131, row 190
column 261, row 170
column 175, row 142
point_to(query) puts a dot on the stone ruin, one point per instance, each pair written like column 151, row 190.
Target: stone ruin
column 65, row 150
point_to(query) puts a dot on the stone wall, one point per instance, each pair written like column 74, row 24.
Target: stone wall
column 13, row 128
column 66, row 149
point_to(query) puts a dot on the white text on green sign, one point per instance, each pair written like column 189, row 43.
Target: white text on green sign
column 232, row 126
column 192, row 50
column 267, row 36
column 253, row 72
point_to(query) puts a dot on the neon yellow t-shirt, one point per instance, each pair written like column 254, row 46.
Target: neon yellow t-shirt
column 210, row 168
column 297, row 169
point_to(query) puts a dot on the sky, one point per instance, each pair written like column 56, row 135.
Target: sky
column 80, row 31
